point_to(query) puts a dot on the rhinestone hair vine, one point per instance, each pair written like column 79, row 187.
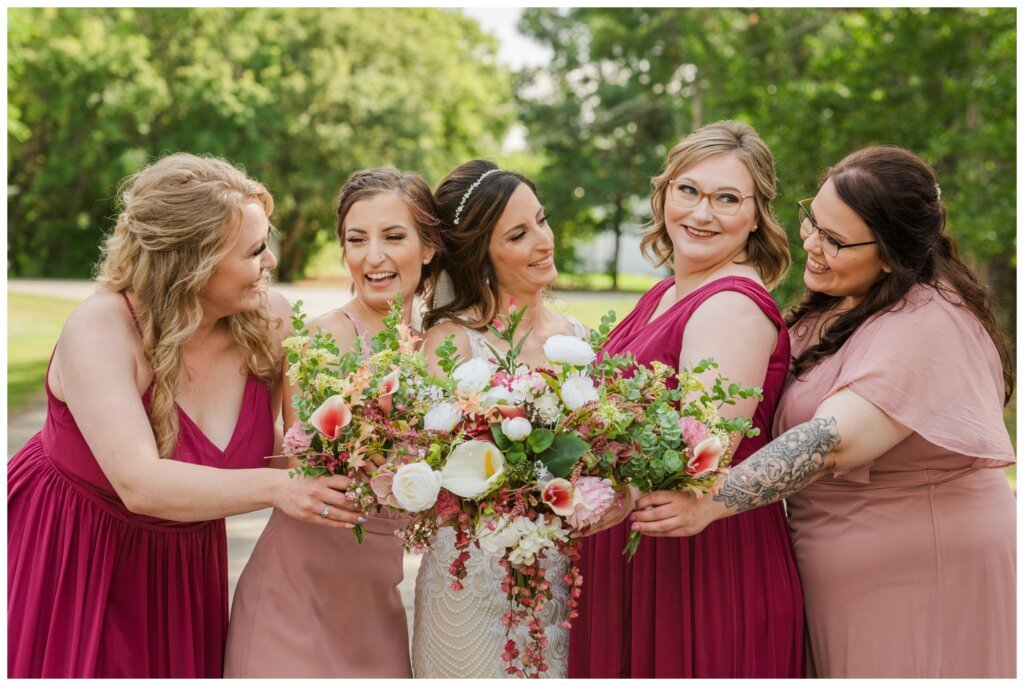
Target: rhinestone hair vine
column 938, row 192
column 469, row 191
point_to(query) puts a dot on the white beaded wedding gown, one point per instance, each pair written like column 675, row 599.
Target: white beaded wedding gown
column 459, row 634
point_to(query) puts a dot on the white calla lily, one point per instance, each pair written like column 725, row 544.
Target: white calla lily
column 473, row 468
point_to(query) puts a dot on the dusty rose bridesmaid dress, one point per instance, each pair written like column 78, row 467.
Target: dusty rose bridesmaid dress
column 724, row 603
column 94, row 590
column 312, row 603
column 909, row 563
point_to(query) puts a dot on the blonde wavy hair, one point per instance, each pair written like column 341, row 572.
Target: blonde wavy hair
column 768, row 247
column 176, row 215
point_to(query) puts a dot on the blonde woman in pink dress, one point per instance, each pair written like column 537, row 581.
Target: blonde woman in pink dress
column 311, row 602
column 891, row 437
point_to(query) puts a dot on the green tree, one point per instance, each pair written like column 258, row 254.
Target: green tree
column 300, row 97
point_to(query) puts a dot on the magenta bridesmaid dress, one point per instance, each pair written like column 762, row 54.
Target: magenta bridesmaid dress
column 723, row 604
column 94, row 590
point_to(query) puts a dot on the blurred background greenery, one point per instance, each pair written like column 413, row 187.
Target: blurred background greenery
column 303, row 97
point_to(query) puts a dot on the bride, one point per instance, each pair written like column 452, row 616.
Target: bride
column 498, row 248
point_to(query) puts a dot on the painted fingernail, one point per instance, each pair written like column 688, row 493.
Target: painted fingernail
column 349, row 526
column 361, row 520
column 635, row 527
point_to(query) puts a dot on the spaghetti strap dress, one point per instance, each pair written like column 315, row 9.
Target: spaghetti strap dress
column 909, row 563
column 313, row 603
column 94, row 590
column 725, row 603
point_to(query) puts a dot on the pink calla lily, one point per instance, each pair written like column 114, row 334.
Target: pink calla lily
column 511, row 411
column 558, row 494
column 388, row 385
column 706, row 456
column 331, row 417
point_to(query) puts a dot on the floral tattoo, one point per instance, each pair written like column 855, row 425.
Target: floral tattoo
column 782, row 467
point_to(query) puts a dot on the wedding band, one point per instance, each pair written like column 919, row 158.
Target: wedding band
column 325, row 510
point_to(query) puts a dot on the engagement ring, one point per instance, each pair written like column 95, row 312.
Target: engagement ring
column 325, row 510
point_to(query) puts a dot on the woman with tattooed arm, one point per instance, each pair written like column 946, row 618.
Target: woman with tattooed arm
column 890, row 433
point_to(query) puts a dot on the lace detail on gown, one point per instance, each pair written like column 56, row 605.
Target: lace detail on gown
column 459, row 634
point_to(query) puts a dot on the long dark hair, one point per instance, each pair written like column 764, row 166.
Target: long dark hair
column 465, row 256
column 897, row 195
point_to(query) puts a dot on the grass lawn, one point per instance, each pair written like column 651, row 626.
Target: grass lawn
column 33, row 325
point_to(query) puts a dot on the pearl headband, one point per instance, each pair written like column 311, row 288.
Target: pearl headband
column 469, row 191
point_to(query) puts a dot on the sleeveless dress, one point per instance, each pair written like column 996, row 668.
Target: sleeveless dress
column 313, row 603
column 725, row 603
column 459, row 634
column 909, row 563
column 94, row 590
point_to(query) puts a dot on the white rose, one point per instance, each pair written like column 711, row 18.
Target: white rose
column 516, row 428
column 496, row 541
column 442, row 417
column 569, row 350
column 415, row 486
column 473, row 376
column 577, row 391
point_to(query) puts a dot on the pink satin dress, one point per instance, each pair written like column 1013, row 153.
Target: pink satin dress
column 312, row 603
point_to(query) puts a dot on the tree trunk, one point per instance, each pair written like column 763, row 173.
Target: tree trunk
column 613, row 265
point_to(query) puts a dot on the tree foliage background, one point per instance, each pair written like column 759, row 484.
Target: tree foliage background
column 302, row 97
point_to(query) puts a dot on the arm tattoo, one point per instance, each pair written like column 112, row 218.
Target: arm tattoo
column 782, row 467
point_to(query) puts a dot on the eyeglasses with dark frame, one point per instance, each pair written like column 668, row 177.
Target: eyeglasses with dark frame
column 686, row 194
column 829, row 243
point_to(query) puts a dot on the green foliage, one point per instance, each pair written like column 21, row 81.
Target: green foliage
column 300, row 97
column 33, row 326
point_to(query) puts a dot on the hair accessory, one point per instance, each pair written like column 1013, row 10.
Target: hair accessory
column 469, row 191
column 938, row 192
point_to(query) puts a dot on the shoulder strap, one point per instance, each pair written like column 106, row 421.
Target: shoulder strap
column 361, row 329
column 135, row 318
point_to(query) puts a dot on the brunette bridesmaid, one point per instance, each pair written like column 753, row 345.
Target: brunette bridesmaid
column 312, row 602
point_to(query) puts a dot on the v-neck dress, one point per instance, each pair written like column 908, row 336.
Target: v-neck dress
column 94, row 590
column 725, row 603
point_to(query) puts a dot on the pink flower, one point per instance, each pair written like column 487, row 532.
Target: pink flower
column 388, row 385
column 296, row 441
column 558, row 495
column 381, row 484
column 706, row 456
column 693, row 431
column 447, row 505
column 331, row 417
column 511, row 411
column 593, row 498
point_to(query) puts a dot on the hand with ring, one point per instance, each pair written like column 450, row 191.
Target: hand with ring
column 320, row 500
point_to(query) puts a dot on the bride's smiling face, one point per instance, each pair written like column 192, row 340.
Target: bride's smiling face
column 522, row 246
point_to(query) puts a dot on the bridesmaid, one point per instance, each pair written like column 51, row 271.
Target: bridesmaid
column 312, row 602
column 159, row 396
column 903, row 524
column 726, row 603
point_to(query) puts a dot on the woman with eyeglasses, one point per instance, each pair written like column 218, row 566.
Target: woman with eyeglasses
column 892, row 437
column 726, row 603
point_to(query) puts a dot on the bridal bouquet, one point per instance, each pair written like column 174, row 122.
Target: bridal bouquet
column 356, row 409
